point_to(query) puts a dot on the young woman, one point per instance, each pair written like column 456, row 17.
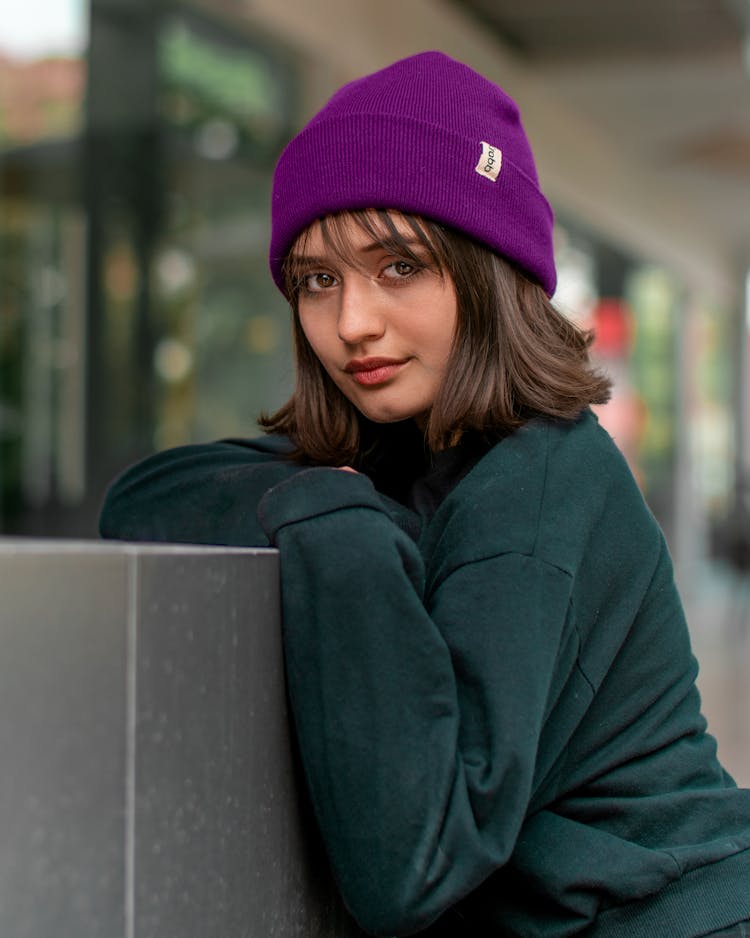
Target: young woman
column 488, row 664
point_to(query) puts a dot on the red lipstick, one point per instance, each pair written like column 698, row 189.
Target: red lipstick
column 373, row 371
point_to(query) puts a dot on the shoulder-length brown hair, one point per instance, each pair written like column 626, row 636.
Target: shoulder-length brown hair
column 514, row 356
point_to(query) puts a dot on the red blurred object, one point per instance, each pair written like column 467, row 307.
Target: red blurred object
column 613, row 328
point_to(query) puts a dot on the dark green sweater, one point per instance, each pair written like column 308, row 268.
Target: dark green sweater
column 495, row 705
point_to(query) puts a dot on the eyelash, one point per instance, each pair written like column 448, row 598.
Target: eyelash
column 414, row 270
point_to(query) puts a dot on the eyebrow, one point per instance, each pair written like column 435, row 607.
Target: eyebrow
column 386, row 244
column 390, row 243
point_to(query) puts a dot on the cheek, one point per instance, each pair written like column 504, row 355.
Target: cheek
column 443, row 318
column 436, row 335
column 311, row 331
column 318, row 339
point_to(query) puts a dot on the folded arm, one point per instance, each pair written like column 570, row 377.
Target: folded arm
column 417, row 716
column 201, row 494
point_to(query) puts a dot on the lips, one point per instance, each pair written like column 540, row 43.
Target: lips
column 373, row 371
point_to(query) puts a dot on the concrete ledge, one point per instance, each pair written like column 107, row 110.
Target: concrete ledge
column 149, row 788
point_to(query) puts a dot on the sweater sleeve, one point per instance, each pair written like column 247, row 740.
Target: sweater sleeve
column 200, row 494
column 418, row 716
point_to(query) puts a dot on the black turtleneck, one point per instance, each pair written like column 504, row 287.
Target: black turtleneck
column 401, row 466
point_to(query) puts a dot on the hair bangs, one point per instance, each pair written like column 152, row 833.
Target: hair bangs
column 381, row 228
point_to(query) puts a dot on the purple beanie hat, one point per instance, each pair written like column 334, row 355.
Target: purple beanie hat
column 428, row 136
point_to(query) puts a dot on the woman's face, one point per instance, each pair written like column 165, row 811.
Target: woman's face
column 381, row 325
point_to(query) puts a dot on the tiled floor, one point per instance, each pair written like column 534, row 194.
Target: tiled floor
column 719, row 618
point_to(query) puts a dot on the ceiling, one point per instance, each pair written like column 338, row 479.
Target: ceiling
column 667, row 82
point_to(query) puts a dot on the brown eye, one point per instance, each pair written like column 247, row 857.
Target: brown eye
column 399, row 270
column 316, row 283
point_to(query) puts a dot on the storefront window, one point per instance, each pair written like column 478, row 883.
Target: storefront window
column 42, row 315
column 136, row 148
column 223, row 349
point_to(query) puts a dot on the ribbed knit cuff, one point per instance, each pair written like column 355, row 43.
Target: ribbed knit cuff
column 708, row 898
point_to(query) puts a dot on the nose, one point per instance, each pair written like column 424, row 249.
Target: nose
column 361, row 316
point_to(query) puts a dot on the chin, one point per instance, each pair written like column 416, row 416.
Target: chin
column 385, row 414
column 391, row 412
column 386, row 418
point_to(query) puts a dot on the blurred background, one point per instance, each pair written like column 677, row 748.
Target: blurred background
column 137, row 142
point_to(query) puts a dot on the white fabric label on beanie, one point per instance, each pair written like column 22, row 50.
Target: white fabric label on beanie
column 490, row 161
